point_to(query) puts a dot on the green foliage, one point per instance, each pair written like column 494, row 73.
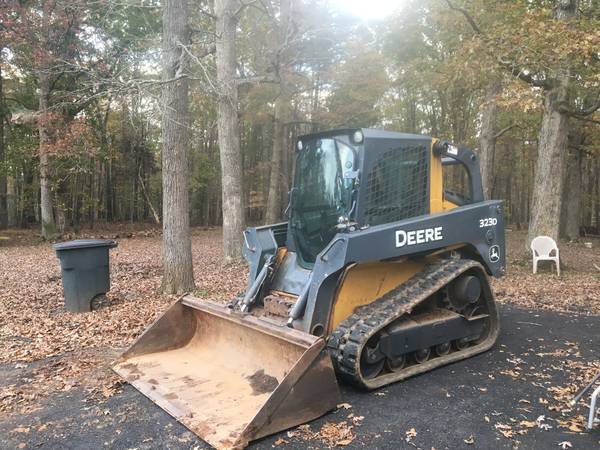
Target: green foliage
column 423, row 70
column 359, row 83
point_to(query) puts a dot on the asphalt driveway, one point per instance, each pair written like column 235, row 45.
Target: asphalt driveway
column 494, row 400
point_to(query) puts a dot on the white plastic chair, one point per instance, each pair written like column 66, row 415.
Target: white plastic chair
column 542, row 248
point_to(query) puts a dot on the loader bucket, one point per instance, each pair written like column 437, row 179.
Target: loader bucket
column 230, row 378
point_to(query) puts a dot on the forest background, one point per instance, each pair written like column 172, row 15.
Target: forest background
column 84, row 84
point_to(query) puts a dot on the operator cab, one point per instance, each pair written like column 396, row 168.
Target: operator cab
column 325, row 198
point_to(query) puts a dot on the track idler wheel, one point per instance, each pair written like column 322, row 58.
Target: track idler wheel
column 372, row 360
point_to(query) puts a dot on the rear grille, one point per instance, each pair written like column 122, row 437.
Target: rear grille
column 396, row 186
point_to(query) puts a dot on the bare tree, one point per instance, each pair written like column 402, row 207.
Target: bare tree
column 3, row 197
column 234, row 219
column 571, row 209
column 178, row 276
column 487, row 138
column 11, row 202
column 47, row 213
column 282, row 113
column 551, row 163
column 550, row 168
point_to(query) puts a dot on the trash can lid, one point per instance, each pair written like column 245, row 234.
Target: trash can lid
column 84, row 243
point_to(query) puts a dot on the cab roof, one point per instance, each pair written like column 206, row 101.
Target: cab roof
column 368, row 133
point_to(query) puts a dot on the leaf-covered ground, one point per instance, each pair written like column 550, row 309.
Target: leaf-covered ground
column 46, row 351
column 577, row 290
column 34, row 325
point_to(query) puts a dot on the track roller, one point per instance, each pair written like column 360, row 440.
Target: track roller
column 443, row 349
column 395, row 364
column 421, row 356
column 460, row 344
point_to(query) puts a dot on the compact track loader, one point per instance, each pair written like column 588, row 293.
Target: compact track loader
column 381, row 273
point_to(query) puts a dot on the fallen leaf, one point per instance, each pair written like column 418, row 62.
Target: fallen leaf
column 333, row 434
column 470, row 440
column 410, row 434
column 357, row 420
column 527, row 423
column 514, row 374
column 507, row 433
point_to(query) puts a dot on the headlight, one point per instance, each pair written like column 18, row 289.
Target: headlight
column 452, row 150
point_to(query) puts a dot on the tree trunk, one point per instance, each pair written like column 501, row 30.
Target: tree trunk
column 571, row 209
column 75, row 203
column 550, row 165
column 487, row 139
column 523, row 189
column 314, row 109
column 95, row 190
column 47, row 214
column 552, row 148
column 98, row 172
column 155, row 215
column 282, row 113
column 11, row 202
column 3, row 168
column 178, row 275
column 109, row 195
column 228, row 126
column 597, row 198
column 280, row 143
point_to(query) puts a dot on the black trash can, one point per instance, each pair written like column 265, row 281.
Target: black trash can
column 84, row 270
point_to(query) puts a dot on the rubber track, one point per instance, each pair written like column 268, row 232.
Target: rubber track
column 346, row 342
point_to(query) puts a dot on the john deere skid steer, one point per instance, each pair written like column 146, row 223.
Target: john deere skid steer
column 381, row 273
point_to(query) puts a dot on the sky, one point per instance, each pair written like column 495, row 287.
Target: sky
column 368, row 9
